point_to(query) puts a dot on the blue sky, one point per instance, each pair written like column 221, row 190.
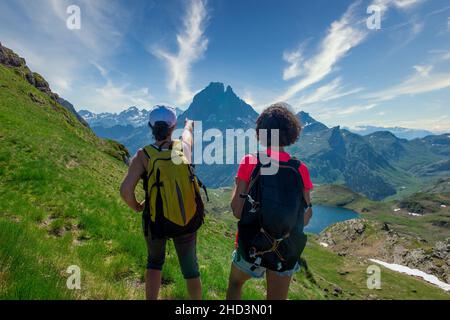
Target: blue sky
column 317, row 55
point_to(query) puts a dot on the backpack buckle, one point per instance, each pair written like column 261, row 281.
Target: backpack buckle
column 252, row 252
column 256, row 264
column 253, row 203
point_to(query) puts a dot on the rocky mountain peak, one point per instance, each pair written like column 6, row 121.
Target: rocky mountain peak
column 220, row 107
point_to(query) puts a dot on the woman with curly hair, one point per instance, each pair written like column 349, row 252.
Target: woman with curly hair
column 272, row 208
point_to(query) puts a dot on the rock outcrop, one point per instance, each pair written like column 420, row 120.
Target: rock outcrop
column 371, row 239
column 10, row 59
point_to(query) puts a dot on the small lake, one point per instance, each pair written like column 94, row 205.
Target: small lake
column 324, row 216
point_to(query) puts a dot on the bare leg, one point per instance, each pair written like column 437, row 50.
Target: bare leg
column 277, row 286
column 152, row 284
column 236, row 282
column 186, row 247
column 194, row 287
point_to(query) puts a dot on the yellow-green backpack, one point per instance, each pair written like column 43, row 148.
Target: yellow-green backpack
column 173, row 205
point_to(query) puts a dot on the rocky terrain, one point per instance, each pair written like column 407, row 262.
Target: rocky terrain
column 376, row 240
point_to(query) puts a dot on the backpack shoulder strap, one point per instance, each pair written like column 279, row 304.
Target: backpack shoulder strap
column 256, row 171
column 295, row 164
column 151, row 151
column 146, row 153
column 293, row 161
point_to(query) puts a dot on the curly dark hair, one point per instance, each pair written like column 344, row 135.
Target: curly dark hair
column 278, row 116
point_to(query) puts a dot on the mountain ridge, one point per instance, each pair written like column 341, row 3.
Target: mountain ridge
column 378, row 165
column 400, row 132
column 133, row 116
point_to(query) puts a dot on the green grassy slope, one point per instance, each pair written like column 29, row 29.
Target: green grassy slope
column 59, row 206
column 59, row 203
column 431, row 226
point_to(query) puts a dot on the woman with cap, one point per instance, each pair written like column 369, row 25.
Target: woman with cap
column 163, row 122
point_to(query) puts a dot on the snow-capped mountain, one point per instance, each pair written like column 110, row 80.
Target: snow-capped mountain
column 132, row 116
column 402, row 133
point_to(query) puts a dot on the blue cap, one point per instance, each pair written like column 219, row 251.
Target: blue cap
column 163, row 114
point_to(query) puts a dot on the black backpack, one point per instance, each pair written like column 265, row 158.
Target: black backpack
column 271, row 226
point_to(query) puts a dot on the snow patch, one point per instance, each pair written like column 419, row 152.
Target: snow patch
column 415, row 214
column 414, row 272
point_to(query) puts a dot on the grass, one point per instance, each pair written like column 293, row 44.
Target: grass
column 59, row 206
column 424, row 226
column 340, row 196
column 59, row 183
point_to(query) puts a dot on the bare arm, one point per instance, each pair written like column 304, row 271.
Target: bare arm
column 309, row 211
column 188, row 132
column 131, row 180
column 188, row 139
column 237, row 203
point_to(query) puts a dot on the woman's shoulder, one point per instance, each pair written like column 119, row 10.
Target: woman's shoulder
column 249, row 159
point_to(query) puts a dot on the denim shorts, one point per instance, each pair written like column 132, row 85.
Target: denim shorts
column 258, row 272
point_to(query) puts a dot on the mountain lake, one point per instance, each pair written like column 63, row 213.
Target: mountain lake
column 324, row 216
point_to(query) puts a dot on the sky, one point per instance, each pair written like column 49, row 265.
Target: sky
column 328, row 58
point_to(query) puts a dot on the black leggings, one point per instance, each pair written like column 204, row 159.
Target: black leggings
column 186, row 251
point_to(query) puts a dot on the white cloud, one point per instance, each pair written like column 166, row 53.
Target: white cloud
column 438, row 124
column 192, row 44
column 115, row 98
column 417, row 28
column 248, row 97
column 406, row 4
column 332, row 113
column 399, row 4
column 354, row 109
column 342, row 36
column 295, row 59
column 422, row 81
column 112, row 97
column 424, row 71
column 37, row 31
column 328, row 92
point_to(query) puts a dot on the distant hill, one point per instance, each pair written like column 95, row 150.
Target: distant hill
column 402, row 133
column 339, row 156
